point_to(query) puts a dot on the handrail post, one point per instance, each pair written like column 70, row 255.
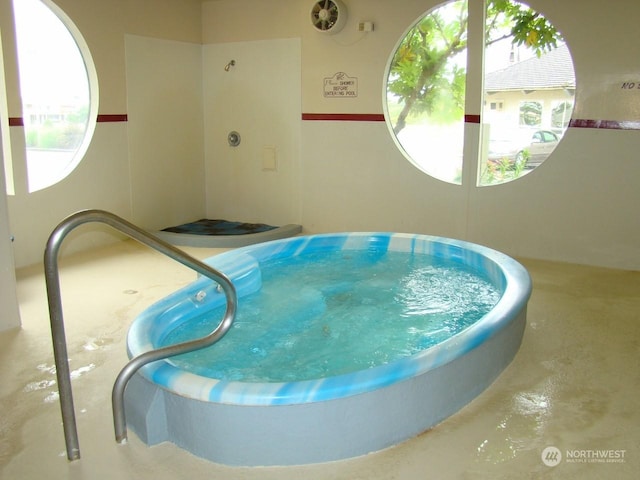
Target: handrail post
column 57, row 321
column 60, row 349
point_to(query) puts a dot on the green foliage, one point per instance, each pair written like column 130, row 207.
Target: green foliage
column 504, row 170
column 508, row 19
column 427, row 76
column 422, row 76
column 55, row 136
column 31, row 138
column 79, row 116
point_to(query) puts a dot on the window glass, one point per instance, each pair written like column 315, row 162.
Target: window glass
column 530, row 114
column 561, row 114
column 55, row 89
column 529, row 67
column 425, row 92
column 528, row 90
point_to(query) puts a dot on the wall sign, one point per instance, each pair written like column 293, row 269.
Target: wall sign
column 630, row 85
column 341, row 85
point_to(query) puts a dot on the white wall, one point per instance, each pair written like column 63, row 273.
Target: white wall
column 580, row 207
column 100, row 181
column 165, row 131
column 259, row 97
column 354, row 180
column 9, row 314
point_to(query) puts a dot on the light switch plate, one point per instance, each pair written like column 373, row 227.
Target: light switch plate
column 269, row 158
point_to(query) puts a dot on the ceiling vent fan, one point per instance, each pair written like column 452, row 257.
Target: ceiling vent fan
column 328, row 16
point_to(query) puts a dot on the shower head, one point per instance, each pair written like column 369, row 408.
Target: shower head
column 228, row 66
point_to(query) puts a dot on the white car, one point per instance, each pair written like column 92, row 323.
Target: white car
column 528, row 152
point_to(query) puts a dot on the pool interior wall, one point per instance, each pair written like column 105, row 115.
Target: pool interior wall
column 356, row 423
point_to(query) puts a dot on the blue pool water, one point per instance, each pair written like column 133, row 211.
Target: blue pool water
column 327, row 313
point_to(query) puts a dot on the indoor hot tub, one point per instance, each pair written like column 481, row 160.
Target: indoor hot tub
column 343, row 344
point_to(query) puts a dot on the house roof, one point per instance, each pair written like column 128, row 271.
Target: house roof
column 551, row 70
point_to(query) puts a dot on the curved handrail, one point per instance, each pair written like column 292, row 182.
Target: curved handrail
column 57, row 323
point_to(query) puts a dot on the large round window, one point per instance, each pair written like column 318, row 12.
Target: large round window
column 58, row 88
column 527, row 85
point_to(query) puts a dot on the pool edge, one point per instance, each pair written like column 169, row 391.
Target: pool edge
column 268, row 435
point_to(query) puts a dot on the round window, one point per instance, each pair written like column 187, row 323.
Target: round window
column 527, row 92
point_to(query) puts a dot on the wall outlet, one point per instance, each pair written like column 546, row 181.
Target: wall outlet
column 365, row 27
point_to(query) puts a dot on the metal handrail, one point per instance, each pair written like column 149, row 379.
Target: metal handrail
column 57, row 323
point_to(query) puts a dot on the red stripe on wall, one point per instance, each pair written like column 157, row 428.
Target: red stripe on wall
column 378, row 117
column 365, row 117
column 102, row 118
column 345, row 117
column 111, row 117
column 606, row 124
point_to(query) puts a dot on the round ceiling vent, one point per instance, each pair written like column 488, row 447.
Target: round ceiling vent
column 328, row 16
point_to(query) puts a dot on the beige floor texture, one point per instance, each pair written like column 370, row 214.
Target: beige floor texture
column 574, row 384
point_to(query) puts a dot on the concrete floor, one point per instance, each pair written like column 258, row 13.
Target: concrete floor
column 574, row 384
